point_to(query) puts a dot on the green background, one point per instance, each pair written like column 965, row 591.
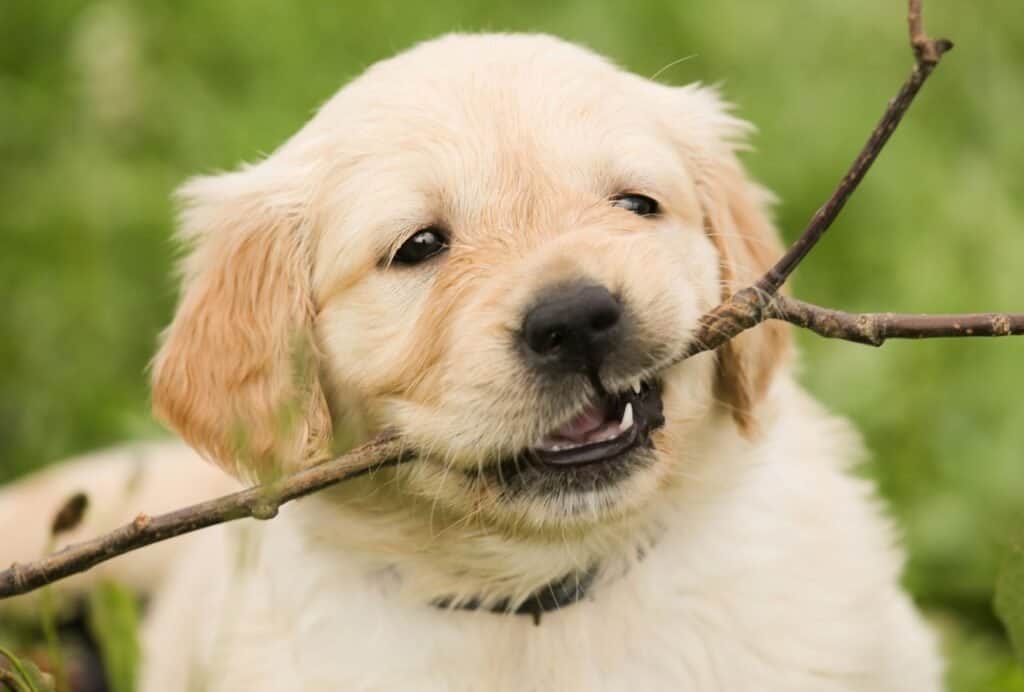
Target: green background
column 106, row 107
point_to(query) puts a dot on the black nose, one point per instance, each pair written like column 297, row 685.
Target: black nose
column 573, row 326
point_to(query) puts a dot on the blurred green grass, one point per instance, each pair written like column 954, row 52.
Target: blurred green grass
column 106, row 107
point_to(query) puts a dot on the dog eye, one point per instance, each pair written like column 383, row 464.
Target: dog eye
column 421, row 246
column 641, row 205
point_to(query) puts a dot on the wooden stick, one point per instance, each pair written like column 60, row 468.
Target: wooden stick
column 747, row 308
column 260, row 502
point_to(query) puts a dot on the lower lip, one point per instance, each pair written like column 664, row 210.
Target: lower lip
column 531, row 476
column 598, row 453
column 598, row 465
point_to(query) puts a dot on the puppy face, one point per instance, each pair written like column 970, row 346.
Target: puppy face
column 494, row 244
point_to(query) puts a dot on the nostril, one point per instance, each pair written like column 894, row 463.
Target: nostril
column 604, row 319
column 548, row 341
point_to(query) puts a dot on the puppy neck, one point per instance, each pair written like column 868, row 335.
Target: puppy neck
column 561, row 593
column 455, row 563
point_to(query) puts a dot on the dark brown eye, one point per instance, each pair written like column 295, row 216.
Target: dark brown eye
column 641, row 205
column 421, row 246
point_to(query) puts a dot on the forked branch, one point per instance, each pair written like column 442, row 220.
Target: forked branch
column 747, row 308
column 752, row 305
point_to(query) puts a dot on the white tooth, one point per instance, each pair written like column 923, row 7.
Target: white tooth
column 636, row 387
column 627, row 418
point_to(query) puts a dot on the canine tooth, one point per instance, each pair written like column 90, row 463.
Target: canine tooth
column 627, row 418
column 636, row 387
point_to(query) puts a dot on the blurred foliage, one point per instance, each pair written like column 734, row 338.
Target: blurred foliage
column 1010, row 594
column 114, row 623
column 106, row 107
column 20, row 675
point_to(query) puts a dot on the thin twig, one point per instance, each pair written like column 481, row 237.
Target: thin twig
column 873, row 328
column 745, row 309
column 927, row 54
column 750, row 307
column 926, row 50
column 259, row 502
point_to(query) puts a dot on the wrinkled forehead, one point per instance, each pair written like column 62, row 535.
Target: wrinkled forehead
column 467, row 131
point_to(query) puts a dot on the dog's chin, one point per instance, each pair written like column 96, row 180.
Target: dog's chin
column 587, row 470
column 600, row 463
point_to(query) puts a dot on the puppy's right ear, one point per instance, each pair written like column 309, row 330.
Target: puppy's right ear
column 237, row 374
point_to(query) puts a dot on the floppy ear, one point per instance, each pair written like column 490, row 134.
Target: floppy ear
column 737, row 219
column 237, row 373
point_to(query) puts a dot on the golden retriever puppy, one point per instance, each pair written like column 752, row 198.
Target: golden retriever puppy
column 496, row 244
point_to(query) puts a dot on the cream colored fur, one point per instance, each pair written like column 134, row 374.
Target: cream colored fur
column 120, row 483
column 745, row 558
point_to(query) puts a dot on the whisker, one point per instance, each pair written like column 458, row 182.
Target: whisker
column 673, row 64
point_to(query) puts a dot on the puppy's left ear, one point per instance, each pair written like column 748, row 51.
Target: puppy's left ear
column 737, row 219
column 237, row 374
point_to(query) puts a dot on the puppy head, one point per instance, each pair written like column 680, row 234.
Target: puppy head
column 494, row 244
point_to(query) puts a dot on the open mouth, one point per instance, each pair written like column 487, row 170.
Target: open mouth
column 606, row 429
column 601, row 446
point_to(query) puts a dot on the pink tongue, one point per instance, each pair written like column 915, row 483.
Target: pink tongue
column 580, row 427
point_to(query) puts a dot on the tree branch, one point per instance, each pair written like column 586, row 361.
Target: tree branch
column 261, row 502
column 927, row 52
column 873, row 328
column 745, row 309
column 749, row 306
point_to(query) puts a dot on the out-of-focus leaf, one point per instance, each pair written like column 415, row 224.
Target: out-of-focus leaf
column 28, row 675
column 37, row 679
column 114, row 622
column 48, row 621
column 1009, row 599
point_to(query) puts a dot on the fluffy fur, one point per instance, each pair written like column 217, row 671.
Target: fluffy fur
column 743, row 557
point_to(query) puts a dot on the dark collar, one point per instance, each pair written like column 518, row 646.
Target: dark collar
column 560, row 593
